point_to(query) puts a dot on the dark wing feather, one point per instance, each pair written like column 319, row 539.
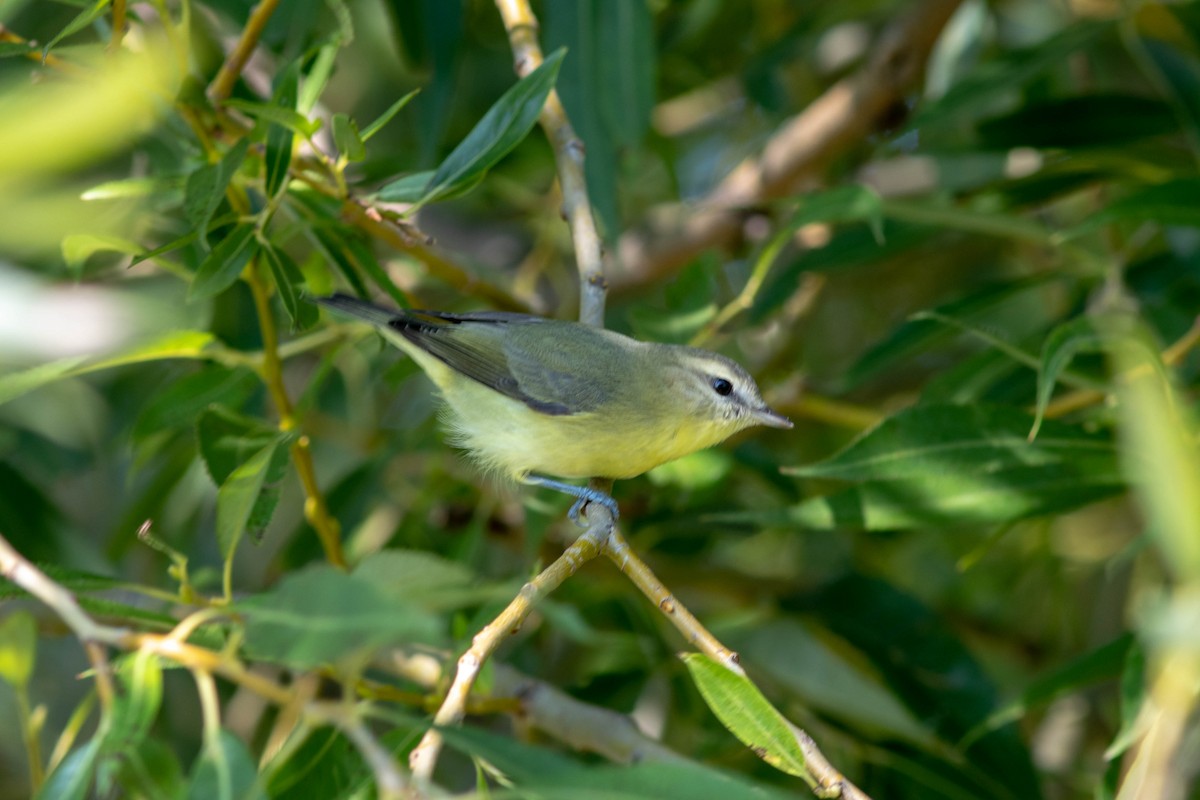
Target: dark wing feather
column 463, row 342
column 553, row 381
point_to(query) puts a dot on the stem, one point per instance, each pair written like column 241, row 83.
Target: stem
column 315, row 509
column 118, row 25
column 222, row 85
column 423, row 759
column 522, row 28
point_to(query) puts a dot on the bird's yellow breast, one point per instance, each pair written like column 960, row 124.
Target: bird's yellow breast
column 506, row 435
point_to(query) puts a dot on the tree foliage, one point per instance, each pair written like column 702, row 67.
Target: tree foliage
column 955, row 240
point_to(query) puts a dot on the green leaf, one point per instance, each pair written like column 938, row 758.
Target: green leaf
column 1096, row 666
column 386, row 116
column 247, row 498
column 500, row 130
column 279, row 137
column 317, row 79
column 177, row 344
column 18, row 648
column 137, row 707
column 428, row 580
column 320, row 615
column 918, row 335
column 408, row 189
column 205, row 188
column 290, row 283
column 72, row 779
column 850, row 203
column 836, row 679
column 224, row 771
column 950, row 465
column 1090, row 334
column 628, row 70
column 184, row 398
column 81, row 21
column 224, row 264
column 15, row 384
column 79, row 247
column 288, row 118
column 347, row 139
column 1170, row 203
column 748, row 715
column 227, row 440
column 10, row 49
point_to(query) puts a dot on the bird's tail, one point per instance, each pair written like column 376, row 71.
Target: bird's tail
column 360, row 309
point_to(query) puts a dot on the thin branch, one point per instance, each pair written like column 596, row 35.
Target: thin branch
column 522, row 27
column 390, row 782
column 830, row 782
column 423, row 759
column 118, row 25
column 222, row 85
column 839, row 120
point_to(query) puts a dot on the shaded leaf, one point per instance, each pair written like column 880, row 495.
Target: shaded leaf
column 290, row 283
column 205, row 188
column 279, row 136
column 748, row 715
column 1170, row 203
column 183, row 399
column 224, row 771
column 386, row 116
column 320, row 615
column 247, row 498
column 628, row 70
column 224, row 264
column 287, row 118
column 347, row 139
column 72, row 779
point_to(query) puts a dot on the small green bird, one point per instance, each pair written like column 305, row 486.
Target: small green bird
column 531, row 397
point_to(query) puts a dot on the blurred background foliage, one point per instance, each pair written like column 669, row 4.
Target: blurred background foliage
column 951, row 606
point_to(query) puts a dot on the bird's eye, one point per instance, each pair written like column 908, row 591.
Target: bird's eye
column 722, row 387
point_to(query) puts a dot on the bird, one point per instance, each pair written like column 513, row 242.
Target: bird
column 538, row 400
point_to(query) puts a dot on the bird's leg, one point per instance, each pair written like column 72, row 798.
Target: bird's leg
column 583, row 495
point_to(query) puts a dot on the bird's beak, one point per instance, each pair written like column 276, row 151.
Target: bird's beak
column 772, row 419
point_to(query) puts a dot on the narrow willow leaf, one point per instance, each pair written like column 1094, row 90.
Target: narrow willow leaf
column 205, row 188
column 386, row 116
column 347, row 139
column 1087, row 334
column 1096, row 666
column 748, row 715
column 18, row 648
column 320, row 615
column 408, row 189
column 138, row 706
column 10, row 49
column 177, row 344
column 1170, row 203
column 290, row 283
column 246, row 500
column 500, row 130
column 174, row 244
column 224, row 771
column 81, row 21
column 627, row 78
column 73, row 778
column 224, row 264
column 317, row 78
column 286, row 117
column 158, row 187
column 850, row 203
column 79, row 247
column 279, row 136
column 182, row 401
column 944, row 465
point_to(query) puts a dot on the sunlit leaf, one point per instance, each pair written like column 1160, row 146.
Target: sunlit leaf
column 748, row 715
column 321, row 615
column 18, row 648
